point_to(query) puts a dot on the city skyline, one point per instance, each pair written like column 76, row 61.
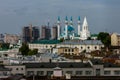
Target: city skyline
column 102, row 15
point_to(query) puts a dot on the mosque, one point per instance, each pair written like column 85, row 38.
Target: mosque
column 69, row 30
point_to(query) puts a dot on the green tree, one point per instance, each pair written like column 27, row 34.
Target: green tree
column 24, row 49
column 4, row 45
column 105, row 38
column 35, row 51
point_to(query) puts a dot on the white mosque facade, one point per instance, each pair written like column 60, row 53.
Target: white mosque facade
column 83, row 32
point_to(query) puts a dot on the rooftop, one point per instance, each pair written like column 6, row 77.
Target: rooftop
column 105, row 64
column 61, row 65
column 82, row 42
column 46, row 42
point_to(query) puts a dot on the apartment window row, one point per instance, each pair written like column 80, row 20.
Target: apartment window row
column 89, row 47
column 42, row 46
column 108, row 72
column 49, row 73
column 69, row 50
column 19, row 69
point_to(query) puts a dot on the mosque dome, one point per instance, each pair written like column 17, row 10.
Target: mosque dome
column 70, row 28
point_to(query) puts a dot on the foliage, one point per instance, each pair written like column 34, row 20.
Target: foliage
column 24, row 49
column 105, row 38
column 4, row 45
column 61, row 39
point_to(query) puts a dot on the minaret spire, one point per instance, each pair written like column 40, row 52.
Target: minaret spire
column 79, row 25
column 58, row 28
column 71, row 21
column 66, row 27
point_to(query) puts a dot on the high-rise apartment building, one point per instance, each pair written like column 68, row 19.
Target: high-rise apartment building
column 30, row 33
column 45, row 32
column 1, row 38
column 54, row 32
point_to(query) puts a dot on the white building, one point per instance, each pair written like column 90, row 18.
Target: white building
column 69, row 30
column 88, row 45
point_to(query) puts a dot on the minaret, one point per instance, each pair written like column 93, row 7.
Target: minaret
column 85, row 32
column 58, row 28
column 85, row 25
column 66, row 26
column 79, row 25
column 71, row 21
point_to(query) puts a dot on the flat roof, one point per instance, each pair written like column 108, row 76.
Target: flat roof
column 61, row 65
column 46, row 42
column 83, row 42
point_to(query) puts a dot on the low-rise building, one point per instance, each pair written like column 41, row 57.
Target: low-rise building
column 4, row 72
column 17, row 69
column 93, row 67
column 86, row 45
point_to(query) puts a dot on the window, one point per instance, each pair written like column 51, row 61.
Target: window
column 30, row 73
column 79, row 72
column 69, row 50
column 16, row 68
column 21, row 68
column 97, row 72
column 5, row 73
column 117, row 72
column 107, row 72
column 72, row 50
column 88, row 47
column 81, row 47
column 49, row 73
column 69, row 72
column 95, row 47
column 65, row 50
column 40, row 73
column 88, row 72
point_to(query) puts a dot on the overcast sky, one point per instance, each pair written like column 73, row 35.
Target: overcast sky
column 102, row 15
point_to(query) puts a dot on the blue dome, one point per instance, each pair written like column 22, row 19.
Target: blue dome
column 70, row 28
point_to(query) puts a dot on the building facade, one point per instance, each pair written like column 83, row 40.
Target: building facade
column 92, row 67
column 45, row 32
column 54, row 32
column 68, row 50
column 86, row 45
column 30, row 33
column 1, row 38
column 11, row 38
column 115, row 39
